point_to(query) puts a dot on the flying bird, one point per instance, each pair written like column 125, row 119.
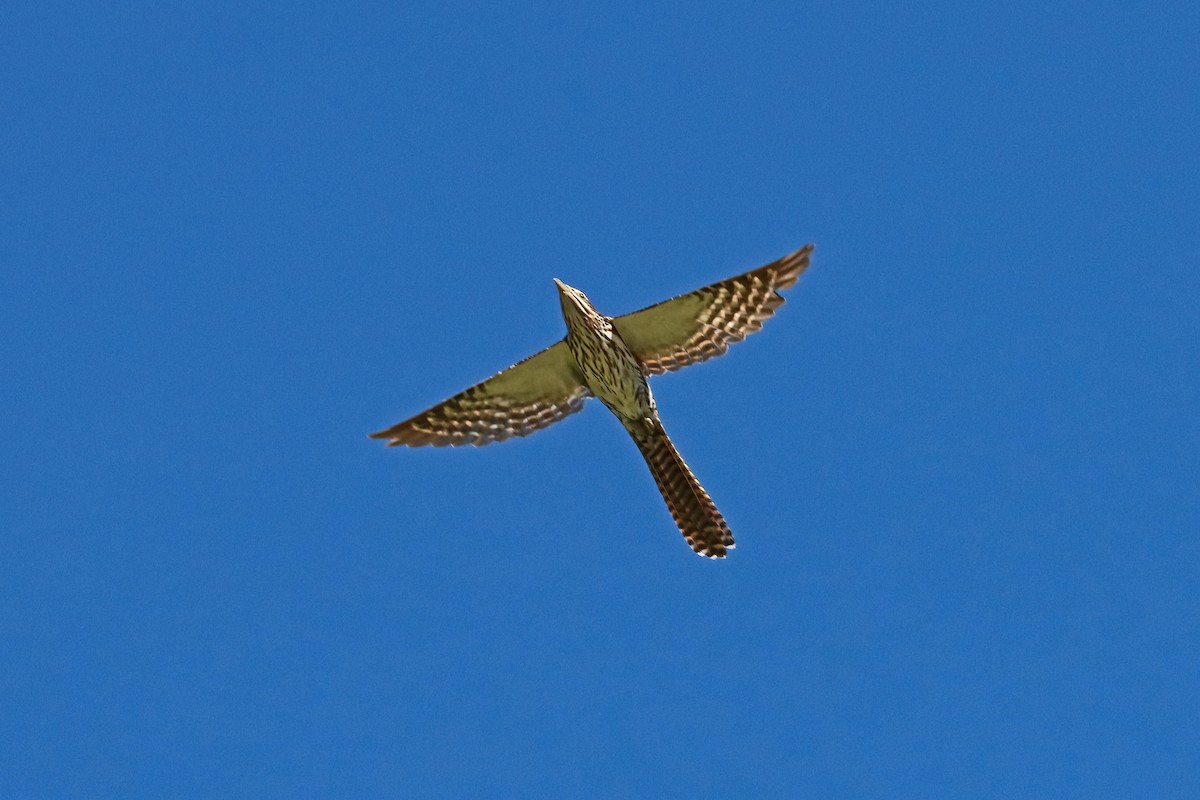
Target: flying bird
column 611, row 358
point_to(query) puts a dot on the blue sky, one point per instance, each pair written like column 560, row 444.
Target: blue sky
column 961, row 462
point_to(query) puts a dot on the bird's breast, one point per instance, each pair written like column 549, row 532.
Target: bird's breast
column 612, row 372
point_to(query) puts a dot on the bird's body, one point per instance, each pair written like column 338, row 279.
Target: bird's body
column 610, row 358
column 609, row 367
column 615, row 375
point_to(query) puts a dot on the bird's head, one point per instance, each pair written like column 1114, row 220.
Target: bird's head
column 574, row 302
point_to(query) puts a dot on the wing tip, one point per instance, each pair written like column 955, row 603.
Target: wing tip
column 788, row 269
column 378, row 435
column 402, row 435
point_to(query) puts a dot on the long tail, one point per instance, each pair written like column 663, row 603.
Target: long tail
column 694, row 511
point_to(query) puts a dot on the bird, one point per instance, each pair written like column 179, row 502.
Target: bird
column 611, row 358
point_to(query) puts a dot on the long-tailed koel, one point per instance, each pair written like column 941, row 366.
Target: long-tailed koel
column 611, row 358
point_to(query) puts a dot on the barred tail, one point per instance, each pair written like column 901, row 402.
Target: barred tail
column 694, row 511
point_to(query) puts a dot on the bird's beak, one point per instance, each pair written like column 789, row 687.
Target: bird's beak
column 569, row 296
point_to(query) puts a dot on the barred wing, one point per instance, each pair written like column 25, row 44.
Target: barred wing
column 524, row 398
column 702, row 324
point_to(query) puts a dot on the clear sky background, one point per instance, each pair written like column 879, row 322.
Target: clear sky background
column 961, row 462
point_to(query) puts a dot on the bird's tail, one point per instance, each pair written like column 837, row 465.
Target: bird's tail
column 694, row 511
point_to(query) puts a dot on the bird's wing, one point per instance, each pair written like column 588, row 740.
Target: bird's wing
column 702, row 324
column 524, row 398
